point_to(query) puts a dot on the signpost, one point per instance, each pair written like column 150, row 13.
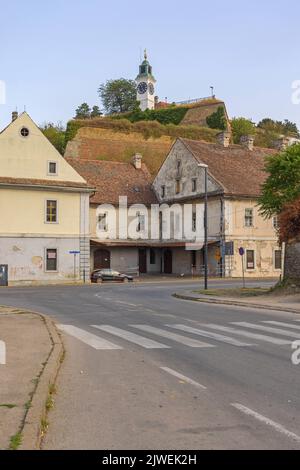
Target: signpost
column 242, row 252
column 75, row 253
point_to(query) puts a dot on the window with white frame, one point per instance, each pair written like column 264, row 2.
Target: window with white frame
column 140, row 222
column 51, row 259
column 275, row 222
column 250, row 259
column 194, row 221
column 51, row 211
column 52, row 168
column 248, row 217
column 277, row 259
column 102, row 222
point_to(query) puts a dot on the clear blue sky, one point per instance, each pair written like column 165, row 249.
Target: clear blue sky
column 55, row 54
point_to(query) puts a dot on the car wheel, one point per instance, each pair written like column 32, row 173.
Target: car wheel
column 99, row 280
column 125, row 280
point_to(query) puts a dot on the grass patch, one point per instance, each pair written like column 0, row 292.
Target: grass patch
column 236, row 292
column 7, row 405
column 15, row 441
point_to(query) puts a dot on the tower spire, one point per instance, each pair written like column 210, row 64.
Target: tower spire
column 145, row 54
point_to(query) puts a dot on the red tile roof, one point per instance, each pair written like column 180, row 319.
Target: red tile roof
column 238, row 170
column 37, row 182
column 114, row 179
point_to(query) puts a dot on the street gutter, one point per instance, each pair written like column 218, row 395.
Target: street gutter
column 188, row 295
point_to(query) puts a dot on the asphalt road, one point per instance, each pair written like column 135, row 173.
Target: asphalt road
column 144, row 370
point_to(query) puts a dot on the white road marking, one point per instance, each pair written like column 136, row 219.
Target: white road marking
column 268, row 329
column 193, row 343
column 132, row 337
column 183, row 377
column 125, row 303
column 279, row 323
column 263, row 419
column 88, row 338
column 208, row 334
column 2, row 353
column 248, row 334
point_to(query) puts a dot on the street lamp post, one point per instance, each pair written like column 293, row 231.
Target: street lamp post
column 202, row 165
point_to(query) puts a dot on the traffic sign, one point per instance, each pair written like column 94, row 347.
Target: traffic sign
column 241, row 251
column 74, row 252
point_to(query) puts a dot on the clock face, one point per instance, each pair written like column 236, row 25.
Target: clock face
column 142, row 88
column 151, row 89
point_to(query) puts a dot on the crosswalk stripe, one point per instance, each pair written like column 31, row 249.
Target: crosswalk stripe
column 88, row 338
column 279, row 323
column 193, row 343
column 248, row 334
column 269, row 329
column 132, row 337
column 183, row 377
column 208, row 334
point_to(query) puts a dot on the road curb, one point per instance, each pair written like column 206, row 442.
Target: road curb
column 32, row 429
column 237, row 303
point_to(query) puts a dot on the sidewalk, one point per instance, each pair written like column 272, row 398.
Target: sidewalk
column 29, row 347
column 282, row 303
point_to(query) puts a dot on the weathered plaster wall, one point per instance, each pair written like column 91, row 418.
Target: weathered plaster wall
column 26, row 256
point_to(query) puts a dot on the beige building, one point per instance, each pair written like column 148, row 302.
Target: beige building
column 235, row 176
column 44, row 207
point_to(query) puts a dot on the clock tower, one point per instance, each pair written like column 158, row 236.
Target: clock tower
column 145, row 85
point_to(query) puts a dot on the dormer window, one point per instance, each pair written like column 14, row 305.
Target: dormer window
column 52, row 168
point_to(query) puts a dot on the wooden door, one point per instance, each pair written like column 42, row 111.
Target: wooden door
column 142, row 260
column 168, row 262
column 102, row 259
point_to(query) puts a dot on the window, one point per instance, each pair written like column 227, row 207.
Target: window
column 248, row 217
column 178, row 164
column 51, row 212
column 177, row 189
column 194, row 221
column 194, row 185
column 250, row 259
column 24, row 132
column 102, row 222
column 275, row 222
column 277, row 259
column 140, row 222
column 152, row 256
column 163, row 191
column 52, row 168
column 51, row 259
column 194, row 258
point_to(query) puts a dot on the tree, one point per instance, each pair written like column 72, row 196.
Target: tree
column 217, row 120
column 55, row 134
column 286, row 127
column 283, row 183
column 289, row 221
column 242, row 126
column 96, row 112
column 83, row 111
column 118, row 96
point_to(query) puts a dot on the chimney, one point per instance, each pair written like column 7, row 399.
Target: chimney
column 137, row 161
column 247, row 141
column 282, row 143
column 14, row 115
column 224, row 138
